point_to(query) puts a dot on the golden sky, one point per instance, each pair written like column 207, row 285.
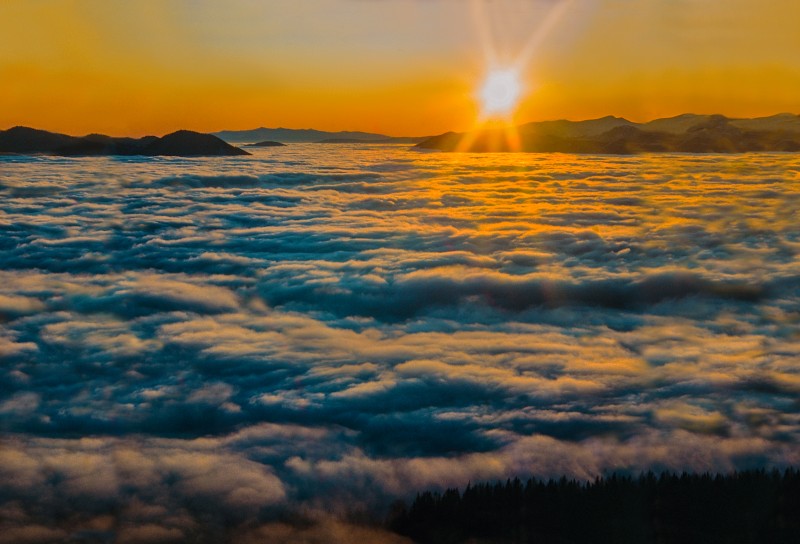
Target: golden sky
column 401, row 67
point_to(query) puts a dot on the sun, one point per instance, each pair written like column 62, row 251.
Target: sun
column 500, row 93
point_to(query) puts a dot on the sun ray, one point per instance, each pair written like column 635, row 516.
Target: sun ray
column 503, row 87
column 484, row 33
column 554, row 15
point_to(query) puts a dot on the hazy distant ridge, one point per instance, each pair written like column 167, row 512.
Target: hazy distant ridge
column 290, row 135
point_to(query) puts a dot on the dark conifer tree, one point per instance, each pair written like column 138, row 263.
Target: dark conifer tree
column 739, row 508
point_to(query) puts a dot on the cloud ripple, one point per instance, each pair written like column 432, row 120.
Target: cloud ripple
column 199, row 348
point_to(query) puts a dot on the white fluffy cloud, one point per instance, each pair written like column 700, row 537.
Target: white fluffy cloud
column 186, row 346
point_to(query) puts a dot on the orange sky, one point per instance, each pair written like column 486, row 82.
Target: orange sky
column 402, row 67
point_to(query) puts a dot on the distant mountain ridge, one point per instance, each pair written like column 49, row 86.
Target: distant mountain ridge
column 307, row 135
column 266, row 143
column 183, row 143
column 391, row 140
column 687, row 133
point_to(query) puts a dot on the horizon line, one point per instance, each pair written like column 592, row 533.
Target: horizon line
column 513, row 123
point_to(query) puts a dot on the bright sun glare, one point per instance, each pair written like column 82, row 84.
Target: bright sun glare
column 500, row 92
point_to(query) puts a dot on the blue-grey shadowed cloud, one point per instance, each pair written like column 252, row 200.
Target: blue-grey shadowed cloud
column 348, row 327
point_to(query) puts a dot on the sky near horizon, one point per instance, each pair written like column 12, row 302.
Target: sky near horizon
column 401, row 67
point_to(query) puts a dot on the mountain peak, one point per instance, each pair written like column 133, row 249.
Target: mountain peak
column 21, row 139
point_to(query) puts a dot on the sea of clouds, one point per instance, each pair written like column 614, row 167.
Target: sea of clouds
column 275, row 347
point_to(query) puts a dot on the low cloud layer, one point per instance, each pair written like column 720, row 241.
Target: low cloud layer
column 278, row 346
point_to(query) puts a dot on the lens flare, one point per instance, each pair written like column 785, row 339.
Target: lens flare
column 502, row 88
column 500, row 93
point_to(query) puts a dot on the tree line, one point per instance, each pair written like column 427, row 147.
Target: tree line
column 742, row 507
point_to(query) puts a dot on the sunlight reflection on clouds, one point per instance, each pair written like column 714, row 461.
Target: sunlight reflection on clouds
column 363, row 321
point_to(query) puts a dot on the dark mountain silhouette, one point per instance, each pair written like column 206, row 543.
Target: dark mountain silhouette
column 788, row 122
column 682, row 123
column 183, row 143
column 266, row 143
column 29, row 140
column 290, row 135
column 187, row 143
column 675, row 125
column 744, row 507
column 577, row 129
column 613, row 135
